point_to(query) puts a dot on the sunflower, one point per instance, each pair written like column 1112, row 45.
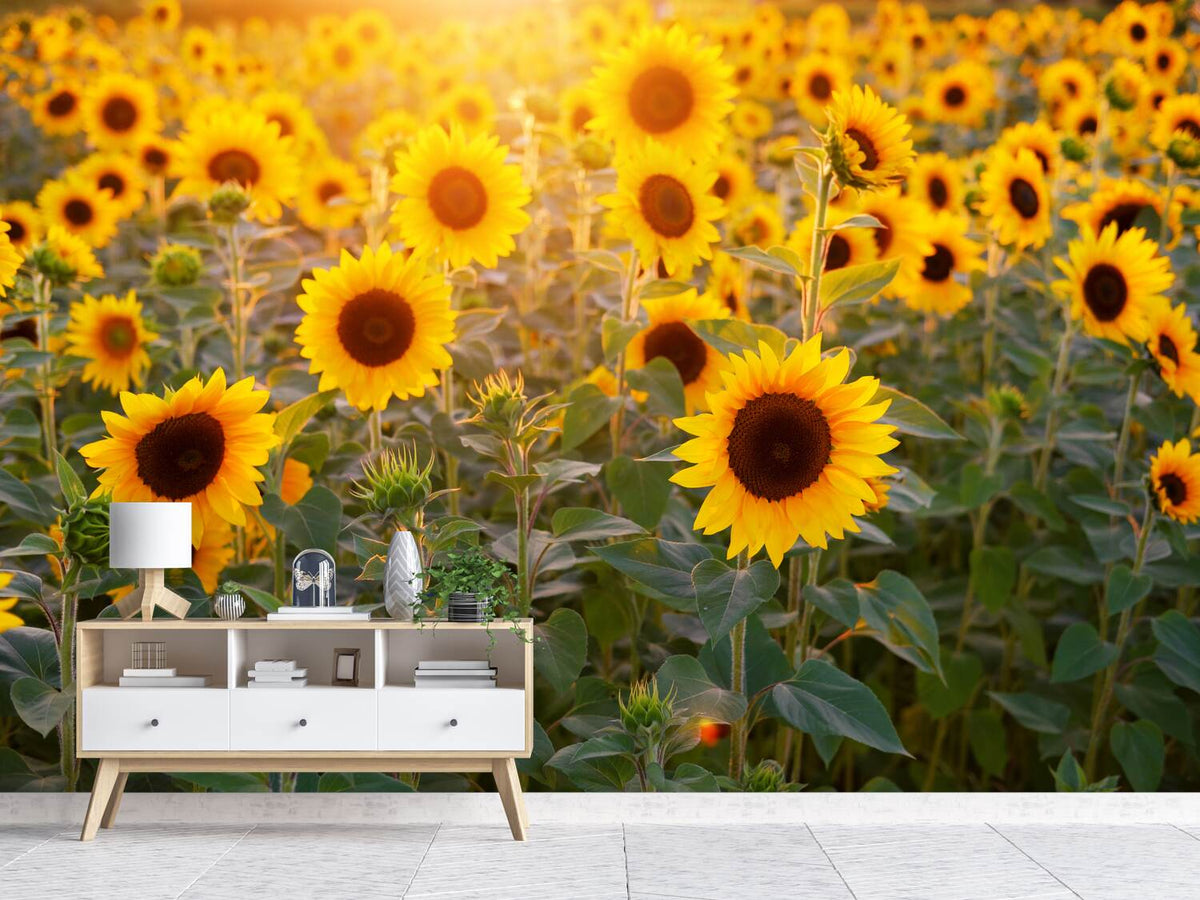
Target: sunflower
column 1166, row 60
column 669, row 335
column 1113, row 281
column 726, row 283
column 665, row 205
column 903, row 235
column 288, row 111
column 1066, row 81
column 757, row 225
column 58, row 111
column 867, row 140
column 458, row 197
column 237, row 144
column 846, row 246
column 1175, row 477
column 786, row 449
column 734, row 183
column 154, row 156
column 892, row 66
column 120, row 111
column 10, row 261
column 1178, row 113
column 385, row 134
column 663, row 85
column 118, row 174
column 939, row 181
column 1122, row 202
column 940, row 284
column 342, row 55
column 376, row 326
column 109, row 333
column 960, row 95
column 1171, row 340
column 468, row 105
column 817, row 77
column 750, row 119
column 214, row 552
column 596, row 29
column 66, row 257
column 575, row 112
column 1132, row 28
column 332, row 194
column 162, row 14
column 1015, row 200
column 202, row 443
column 79, row 207
column 1037, row 137
column 24, row 223
column 8, row 619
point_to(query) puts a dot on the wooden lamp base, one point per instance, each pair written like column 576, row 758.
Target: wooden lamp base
column 151, row 592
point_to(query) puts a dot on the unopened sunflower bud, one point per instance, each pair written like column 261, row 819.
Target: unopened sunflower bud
column 765, row 777
column 1007, row 402
column 592, row 154
column 1184, row 150
column 227, row 203
column 175, row 266
column 85, row 531
column 1074, row 149
column 1124, row 84
column 645, row 709
column 499, row 403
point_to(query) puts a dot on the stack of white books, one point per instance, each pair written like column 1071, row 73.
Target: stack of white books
column 162, row 678
column 276, row 673
column 454, row 673
column 317, row 614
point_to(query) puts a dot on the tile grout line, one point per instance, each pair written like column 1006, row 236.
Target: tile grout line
column 191, row 884
column 25, row 853
column 1010, row 842
column 1184, row 831
column 420, row 862
column 829, row 859
column 625, row 856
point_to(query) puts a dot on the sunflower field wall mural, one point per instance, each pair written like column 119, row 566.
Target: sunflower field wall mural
column 823, row 386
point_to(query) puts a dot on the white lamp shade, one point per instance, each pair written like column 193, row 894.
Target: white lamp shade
column 150, row 535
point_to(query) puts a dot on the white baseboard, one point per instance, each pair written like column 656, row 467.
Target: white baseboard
column 592, row 809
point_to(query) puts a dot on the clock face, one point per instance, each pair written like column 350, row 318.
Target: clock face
column 314, row 579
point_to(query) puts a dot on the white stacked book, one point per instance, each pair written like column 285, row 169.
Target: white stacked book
column 276, row 673
column 317, row 614
column 162, row 678
column 454, row 673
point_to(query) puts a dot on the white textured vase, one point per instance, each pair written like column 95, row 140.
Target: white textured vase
column 402, row 579
column 229, row 606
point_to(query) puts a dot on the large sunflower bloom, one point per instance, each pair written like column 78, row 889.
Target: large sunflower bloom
column 665, row 205
column 120, row 111
column 1113, row 280
column 787, row 450
column 1119, row 201
column 25, row 223
column 376, row 326
column 110, row 334
column 1015, row 199
column 1171, row 340
column 669, row 335
column 867, row 140
column 202, row 444
column 941, row 283
column 237, row 144
column 459, row 197
column 1175, row 478
column 332, row 194
column 663, row 85
column 65, row 257
column 81, row 208
column 1178, row 113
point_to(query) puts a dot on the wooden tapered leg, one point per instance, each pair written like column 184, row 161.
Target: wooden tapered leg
column 114, row 801
column 508, row 783
column 102, row 788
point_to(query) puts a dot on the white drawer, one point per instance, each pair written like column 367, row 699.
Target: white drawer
column 116, row 718
column 451, row 719
column 308, row 718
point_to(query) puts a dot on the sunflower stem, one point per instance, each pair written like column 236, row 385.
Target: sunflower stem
column 1056, row 387
column 737, row 683
column 235, row 297
column 42, row 293
column 1100, row 710
column 1101, row 134
column 1135, row 381
column 812, row 302
column 375, row 429
column 581, row 236
column 628, row 292
column 453, row 500
column 989, row 310
column 66, row 662
column 1164, row 230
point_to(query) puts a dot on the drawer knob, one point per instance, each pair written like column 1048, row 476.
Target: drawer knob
column 453, row 722
column 154, row 723
column 303, row 722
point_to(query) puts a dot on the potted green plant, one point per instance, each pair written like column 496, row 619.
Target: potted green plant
column 228, row 602
column 468, row 585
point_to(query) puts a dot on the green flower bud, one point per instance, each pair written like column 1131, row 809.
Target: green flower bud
column 395, row 484
column 1007, row 402
column 499, row 403
column 1074, row 149
column 176, row 266
column 85, row 531
column 58, row 271
column 1184, row 150
column 592, row 154
column 645, row 709
column 766, row 777
column 227, row 203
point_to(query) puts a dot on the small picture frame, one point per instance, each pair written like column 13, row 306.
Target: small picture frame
column 345, row 666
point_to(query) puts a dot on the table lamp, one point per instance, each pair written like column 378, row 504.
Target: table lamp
column 150, row 537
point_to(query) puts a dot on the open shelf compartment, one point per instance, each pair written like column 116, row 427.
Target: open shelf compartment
column 402, row 648
column 312, row 649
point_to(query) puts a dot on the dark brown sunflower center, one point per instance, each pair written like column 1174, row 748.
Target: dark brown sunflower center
column 376, row 328
column 666, row 205
column 1167, row 348
column 1163, row 61
column 61, row 104
column 1088, row 125
column 1043, row 159
column 181, row 455
column 939, row 264
column 1024, row 198
column 731, row 301
column 78, row 212
column 119, row 114
column 883, row 236
column 154, row 159
column 939, row 193
column 955, row 96
column 865, row 146
column 1190, row 127
column 1138, row 32
column 1174, row 487
column 580, row 117
column 1124, row 214
column 327, row 190
column 469, row 110
column 721, row 187
column 743, row 74
column 838, row 253
column 679, row 344
column 819, row 87
column 1105, row 291
column 343, row 55
column 779, row 445
column 161, row 13
column 661, row 99
column 118, row 336
column 16, row 230
column 457, row 197
column 1072, row 87
column 113, row 182
column 234, row 165
column 286, row 128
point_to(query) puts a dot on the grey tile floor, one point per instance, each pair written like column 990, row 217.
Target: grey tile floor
column 637, row 862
